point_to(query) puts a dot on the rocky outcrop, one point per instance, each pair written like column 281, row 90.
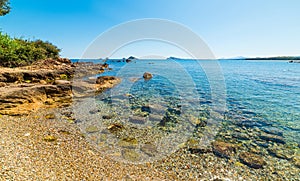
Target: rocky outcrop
column 23, row 99
column 48, row 83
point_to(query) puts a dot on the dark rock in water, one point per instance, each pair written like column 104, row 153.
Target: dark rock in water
column 147, row 76
column 137, row 120
column 223, row 149
column 168, row 119
column 273, row 138
column 94, row 111
column 149, row 149
column 176, row 111
column 146, row 109
column 202, row 123
column 251, row 124
column 272, row 130
column 252, row 160
column 108, row 116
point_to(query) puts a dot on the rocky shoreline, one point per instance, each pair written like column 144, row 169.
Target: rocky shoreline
column 48, row 83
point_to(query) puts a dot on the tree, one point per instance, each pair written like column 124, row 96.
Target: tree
column 4, row 7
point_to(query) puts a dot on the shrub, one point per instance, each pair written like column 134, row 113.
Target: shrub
column 18, row 52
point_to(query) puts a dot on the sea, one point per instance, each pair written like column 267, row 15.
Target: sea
column 184, row 97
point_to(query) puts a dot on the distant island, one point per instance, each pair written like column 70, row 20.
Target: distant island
column 275, row 58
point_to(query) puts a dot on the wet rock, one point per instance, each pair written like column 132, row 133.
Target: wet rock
column 252, row 160
column 115, row 128
column 223, row 149
column 272, row 138
column 130, row 155
column 128, row 142
column 147, row 76
column 104, row 79
column 137, row 120
column 91, row 129
column 149, row 149
column 50, row 138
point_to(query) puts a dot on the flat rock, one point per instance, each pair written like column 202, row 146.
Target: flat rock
column 137, row 120
column 252, row 160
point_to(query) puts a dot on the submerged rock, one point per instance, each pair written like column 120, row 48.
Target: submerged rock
column 137, row 120
column 252, row 160
column 150, row 149
column 130, row 155
column 223, row 149
column 273, row 138
column 115, row 128
column 128, row 143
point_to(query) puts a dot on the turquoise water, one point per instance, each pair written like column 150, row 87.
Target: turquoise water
column 235, row 100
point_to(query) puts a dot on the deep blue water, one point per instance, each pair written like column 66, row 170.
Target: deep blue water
column 265, row 92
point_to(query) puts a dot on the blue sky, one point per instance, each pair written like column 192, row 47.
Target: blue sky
column 230, row 28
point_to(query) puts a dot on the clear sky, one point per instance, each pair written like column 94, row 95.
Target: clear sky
column 229, row 27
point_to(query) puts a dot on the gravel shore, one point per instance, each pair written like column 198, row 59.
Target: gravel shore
column 47, row 146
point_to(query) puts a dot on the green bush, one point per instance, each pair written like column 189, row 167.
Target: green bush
column 18, row 52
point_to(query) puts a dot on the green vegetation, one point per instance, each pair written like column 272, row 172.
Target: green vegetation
column 4, row 7
column 18, row 52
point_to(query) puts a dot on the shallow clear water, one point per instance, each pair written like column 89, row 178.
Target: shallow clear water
column 264, row 95
column 264, row 90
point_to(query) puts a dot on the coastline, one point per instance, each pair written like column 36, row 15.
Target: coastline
column 47, row 145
